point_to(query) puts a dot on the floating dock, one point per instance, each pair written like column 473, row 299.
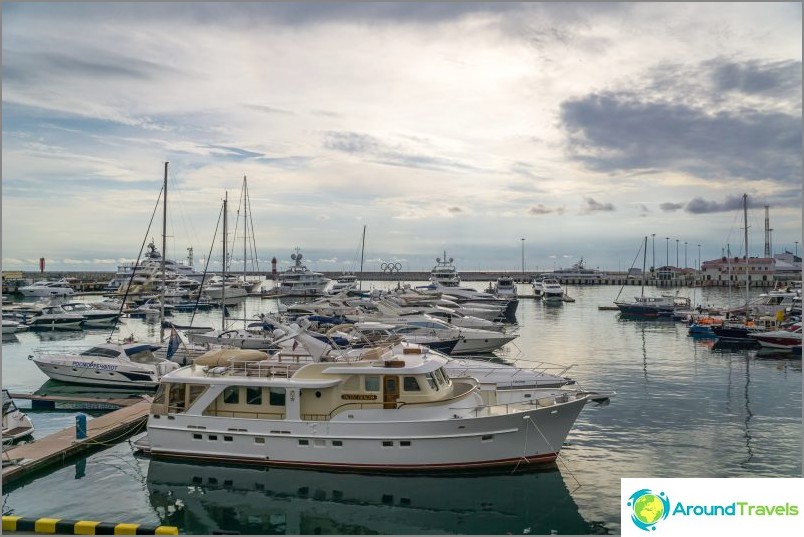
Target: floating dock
column 24, row 459
column 77, row 402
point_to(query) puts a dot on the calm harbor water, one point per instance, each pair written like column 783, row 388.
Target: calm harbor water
column 682, row 409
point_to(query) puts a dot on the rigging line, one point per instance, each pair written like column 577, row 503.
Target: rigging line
column 136, row 265
column 206, row 268
column 558, row 454
column 255, row 259
column 629, row 270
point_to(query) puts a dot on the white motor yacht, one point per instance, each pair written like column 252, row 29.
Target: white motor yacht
column 298, row 280
column 552, row 290
column 107, row 364
column 388, row 411
column 46, row 288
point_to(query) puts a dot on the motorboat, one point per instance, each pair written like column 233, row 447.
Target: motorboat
column 647, row 306
column 47, row 288
column 107, row 364
column 343, row 284
column 298, row 280
column 16, row 424
column 93, row 316
column 445, row 273
column 552, row 290
column 580, row 273
column 54, row 317
column 388, row 411
column 771, row 303
column 151, row 265
column 11, row 326
column 538, row 290
column 785, row 339
column 504, row 287
column 232, row 289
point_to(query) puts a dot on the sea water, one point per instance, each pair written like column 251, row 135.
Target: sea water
column 683, row 408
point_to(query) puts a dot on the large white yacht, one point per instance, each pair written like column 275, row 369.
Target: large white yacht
column 298, row 280
column 148, row 272
column 444, row 272
column 46, row 288
column 388, row 411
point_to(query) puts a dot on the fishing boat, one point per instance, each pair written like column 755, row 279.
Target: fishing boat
column 16, row 424
column 385, row 412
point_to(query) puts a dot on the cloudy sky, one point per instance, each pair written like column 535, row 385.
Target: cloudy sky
column 439, row 126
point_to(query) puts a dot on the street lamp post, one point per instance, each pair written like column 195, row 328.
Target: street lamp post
column 796, row 248
column 667, row 252
column 523, row 259
column 676, row 253
column 653, row 241
column 685, row 254
column 700, row 261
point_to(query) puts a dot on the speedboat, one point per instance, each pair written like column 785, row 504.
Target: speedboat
column 54, row 317
column 504, row 287
column 107, row 364
column 785, row 339
column 538, row 290
column 92, row 315
column 16, row 424
column 344, row 283
column 391, row 411
column 47, row 288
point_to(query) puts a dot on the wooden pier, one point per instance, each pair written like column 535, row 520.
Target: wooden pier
column 64, row 402
column 24, row 459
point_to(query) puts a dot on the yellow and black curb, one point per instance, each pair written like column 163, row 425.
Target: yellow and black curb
column 81, row 527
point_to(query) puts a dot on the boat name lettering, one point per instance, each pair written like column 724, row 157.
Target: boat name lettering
column 358, row 396
column 109, row 367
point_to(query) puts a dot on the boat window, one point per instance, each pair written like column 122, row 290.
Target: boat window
column 161, row 394
column 194, row 391
column 410, row 384
column 144, row 357
column 439, row 377
column 432, row 382
column 231, row 395
column 100, row 351
column 444, row 373
column 372, row 383
column 276, row 396
column 253, row 395
column 176, row 398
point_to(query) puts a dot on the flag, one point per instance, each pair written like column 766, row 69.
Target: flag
column 225, row 311
column 173, row 343
column 295, row 344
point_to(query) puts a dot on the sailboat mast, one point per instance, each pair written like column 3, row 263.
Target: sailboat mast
column 223, row 283
column 164, row 252
column 745, row 223
column 362, row 250
column 644, row 258
column 245, row 235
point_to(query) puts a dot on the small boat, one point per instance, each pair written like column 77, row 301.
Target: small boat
column 47, row 288
column 785, row 339
column 16, row 424
column 11, row 326
column 344, row 283
column 93, row 316
column 107, row 364
column 538, row 290
column 386, row 412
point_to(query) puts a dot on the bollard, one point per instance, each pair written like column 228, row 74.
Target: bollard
column 80, row 426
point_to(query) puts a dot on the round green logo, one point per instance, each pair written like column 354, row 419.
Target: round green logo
column 648, row 508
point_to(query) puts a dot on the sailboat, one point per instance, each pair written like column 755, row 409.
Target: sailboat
column 740, row 333
column 646, row 306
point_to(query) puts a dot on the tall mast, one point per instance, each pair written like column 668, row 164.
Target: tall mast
column 362, row 250
column 644, row 257
column 223, row 283
column 164, row 252
column 745, row 223
column 245, row 236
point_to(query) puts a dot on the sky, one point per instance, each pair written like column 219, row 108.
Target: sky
column 504, row 134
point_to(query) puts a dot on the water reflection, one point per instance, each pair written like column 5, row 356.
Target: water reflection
column 204, row 498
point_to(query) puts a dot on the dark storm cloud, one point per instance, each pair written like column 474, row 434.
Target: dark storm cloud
column 618, row 131
column 756, row 77
column 375, row 150
column 701, row 206
column 592, row 205
column 670, row 207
